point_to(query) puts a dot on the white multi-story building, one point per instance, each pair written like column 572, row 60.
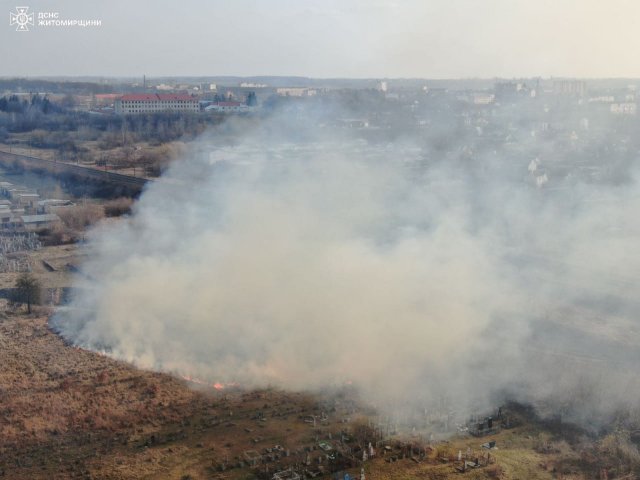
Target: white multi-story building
column 481, row 98
column 296, row 92
column 227, row 107
column 156, row 102
column 569, row 87
column 625, row 108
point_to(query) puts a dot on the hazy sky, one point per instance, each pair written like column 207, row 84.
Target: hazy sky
column 329, row 38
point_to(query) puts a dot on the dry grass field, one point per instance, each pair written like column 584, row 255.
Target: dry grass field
column 70, row 413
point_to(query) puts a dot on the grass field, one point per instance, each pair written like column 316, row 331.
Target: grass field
column 70, row 413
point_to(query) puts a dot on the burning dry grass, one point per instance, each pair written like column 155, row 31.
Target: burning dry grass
column 68, row 413
column 71, row 413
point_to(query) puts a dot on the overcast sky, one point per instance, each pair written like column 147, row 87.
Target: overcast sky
column 328, row 38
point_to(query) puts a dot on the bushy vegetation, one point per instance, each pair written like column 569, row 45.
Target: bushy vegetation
column 53, row 86
column 40, row 114
column 117, row 207
column 80, row 136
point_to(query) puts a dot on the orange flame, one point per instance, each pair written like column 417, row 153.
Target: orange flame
column 216, row 385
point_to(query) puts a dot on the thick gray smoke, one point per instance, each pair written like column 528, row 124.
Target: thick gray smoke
column 319, row 262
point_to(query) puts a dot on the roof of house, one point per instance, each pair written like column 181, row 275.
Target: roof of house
column 154, row 97
column 229, row 104
column 54, row 201
column 47, row 217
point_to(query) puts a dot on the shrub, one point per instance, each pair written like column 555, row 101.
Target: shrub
column 82, row 216
column 119, row 206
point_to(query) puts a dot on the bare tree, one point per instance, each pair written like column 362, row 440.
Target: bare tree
column 27, row 290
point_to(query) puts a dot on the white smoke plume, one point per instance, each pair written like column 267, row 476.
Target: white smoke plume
column 317, row 261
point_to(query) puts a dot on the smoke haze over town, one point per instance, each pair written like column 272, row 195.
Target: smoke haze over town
column 304, row 258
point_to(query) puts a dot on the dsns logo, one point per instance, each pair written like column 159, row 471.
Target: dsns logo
column 22, row 18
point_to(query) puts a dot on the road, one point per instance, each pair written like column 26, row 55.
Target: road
column 130, row 183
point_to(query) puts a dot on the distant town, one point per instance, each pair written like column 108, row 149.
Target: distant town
column 137, row 127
